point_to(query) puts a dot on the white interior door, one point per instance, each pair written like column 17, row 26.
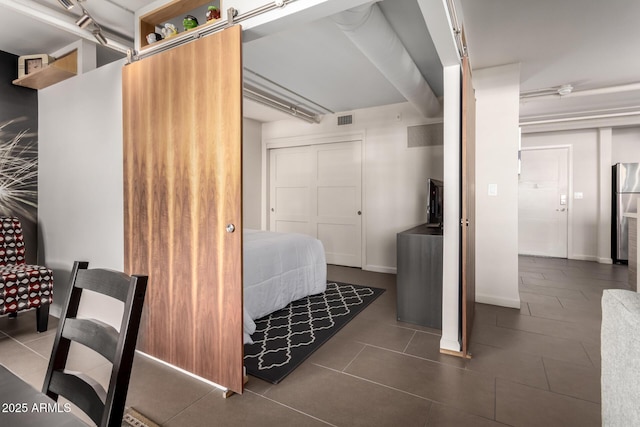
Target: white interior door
column 317, row 190
column 543, row 202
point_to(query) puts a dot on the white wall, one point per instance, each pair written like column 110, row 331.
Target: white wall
column 251, row 173
column 594, row 150
column 80, row 187
column 451, row 240
column 394, row 187
column 583, row 213
column 497, row 119
column 626, row 145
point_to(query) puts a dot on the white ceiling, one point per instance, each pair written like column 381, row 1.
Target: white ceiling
column 586, row 44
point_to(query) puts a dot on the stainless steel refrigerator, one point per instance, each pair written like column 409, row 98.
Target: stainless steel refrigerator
column 626, row 191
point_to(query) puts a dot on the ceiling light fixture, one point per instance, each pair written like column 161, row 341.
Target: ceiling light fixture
column 84, row 20
column 565, row 90
column 67, row 4
column 554, row 91
column 262, row 84
column 102, row 39
column 279, row 104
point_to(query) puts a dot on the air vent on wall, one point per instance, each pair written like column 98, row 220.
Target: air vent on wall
column 345, row 120
column 425, row 135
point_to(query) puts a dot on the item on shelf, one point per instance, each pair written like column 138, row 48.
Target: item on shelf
column 153, row 37
column 213, row 13
column 189, row 22
column 27, row 64
column 169, row 30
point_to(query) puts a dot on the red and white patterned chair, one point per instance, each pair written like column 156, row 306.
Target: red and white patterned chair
column 22, row 286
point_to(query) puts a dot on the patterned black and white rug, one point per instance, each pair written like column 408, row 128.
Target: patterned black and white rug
column 285, row 338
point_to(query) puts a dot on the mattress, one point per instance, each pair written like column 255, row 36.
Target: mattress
column 279, row 268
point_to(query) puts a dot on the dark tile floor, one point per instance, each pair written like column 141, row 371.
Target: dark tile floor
column 537, row 366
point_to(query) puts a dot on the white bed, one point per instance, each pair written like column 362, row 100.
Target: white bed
column 279, row 268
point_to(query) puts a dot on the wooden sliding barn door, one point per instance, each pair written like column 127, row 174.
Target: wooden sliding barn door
column 182, row 187
column 468, row 222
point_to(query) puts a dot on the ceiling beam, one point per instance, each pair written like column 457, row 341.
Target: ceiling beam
column 368, row 29
column 436, row 16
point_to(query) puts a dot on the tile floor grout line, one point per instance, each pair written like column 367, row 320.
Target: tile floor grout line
column 410, row 339
column 420, row 358
column 495, row 398
column 540, row 334
column 426, row 421
column 432, row 401
column 355, row 357
column 546, row 375
column 190, row 405
column 291, row 408
column 553, row 392
column 413, row 329
column 564, row 322
column 375, row 382
column 585, row 350
column 27, row 347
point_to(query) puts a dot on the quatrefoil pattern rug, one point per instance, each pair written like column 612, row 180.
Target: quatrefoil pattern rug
column 285, row 338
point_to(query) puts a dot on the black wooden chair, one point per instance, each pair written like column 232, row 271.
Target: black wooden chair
column 105, row 408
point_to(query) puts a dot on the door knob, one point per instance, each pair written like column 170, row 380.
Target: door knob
column 231, row 228
column 359, row 212
column 561, row 210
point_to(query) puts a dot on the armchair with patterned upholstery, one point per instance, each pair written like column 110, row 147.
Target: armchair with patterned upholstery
column 22, row 286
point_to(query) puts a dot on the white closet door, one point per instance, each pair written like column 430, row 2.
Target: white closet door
column 290, row 182
column 337, row 202
column 317, row 190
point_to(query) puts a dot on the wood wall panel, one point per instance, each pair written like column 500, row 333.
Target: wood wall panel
column 182, row 179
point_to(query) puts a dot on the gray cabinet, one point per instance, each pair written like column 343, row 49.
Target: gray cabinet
column 419, row 276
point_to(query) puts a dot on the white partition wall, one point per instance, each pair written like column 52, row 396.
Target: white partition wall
column 80, row 177
column 497, row 94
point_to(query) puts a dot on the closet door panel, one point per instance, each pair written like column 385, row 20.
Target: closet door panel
column 182, row 178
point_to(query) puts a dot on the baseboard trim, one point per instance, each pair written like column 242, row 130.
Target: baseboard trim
column 605, row 260
column 380, row 269
column 584, row 257
column 449, row 346
column 500, row 301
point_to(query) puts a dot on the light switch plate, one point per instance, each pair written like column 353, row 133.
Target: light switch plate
column 493, row 189
column 578, row 195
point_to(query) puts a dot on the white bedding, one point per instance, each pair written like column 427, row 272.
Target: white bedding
column 279, row 268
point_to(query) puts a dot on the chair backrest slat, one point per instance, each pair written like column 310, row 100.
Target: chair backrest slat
column 106, row 282
column 94, row 334
column 84, row 392
column 104, row 408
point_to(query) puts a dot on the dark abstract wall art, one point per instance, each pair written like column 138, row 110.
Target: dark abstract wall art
column 19, row 153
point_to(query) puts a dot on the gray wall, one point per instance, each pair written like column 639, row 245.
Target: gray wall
column 20, row 106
